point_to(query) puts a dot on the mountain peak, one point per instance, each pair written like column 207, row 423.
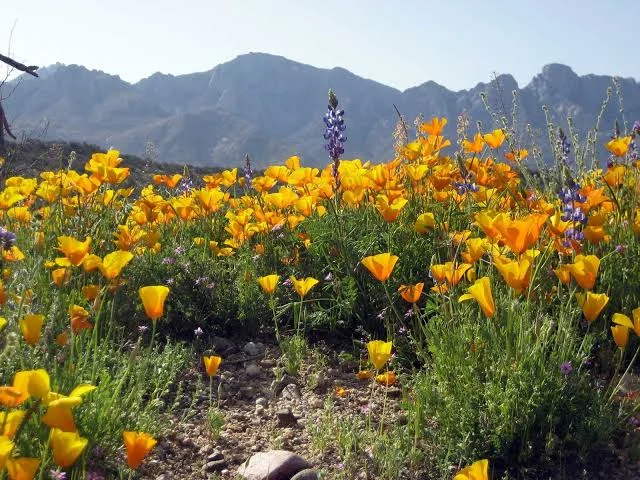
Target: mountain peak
column 558, row 72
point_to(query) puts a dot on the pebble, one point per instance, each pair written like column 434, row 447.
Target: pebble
column 277, row 386
column 259, row 410
column 316, row 402
column 253, row 370
column 215, row 455
column 262, row 401
column 253, row 349
column 215, row 466
column 290, row 392
column 307, row 474
column 276, row 464
column 286, row 418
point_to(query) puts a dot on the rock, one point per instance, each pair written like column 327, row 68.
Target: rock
column 253, row 349
column 215, row 455
column 259, row 411
column 215, row 466
column 222, row 345
column 286, row 418
column 268, row 363
column 277, row 386
column 290, row 392
column 262, row 401
column 273, row 465
column 253, row 370
column 307, row 474
column 316, row 402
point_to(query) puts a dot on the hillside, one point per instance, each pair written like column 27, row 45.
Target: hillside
column 272, row 107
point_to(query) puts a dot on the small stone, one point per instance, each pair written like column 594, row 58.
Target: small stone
column 215, row 466
column 259, row 410
column 215, row 455
column 286, row 418
column 273, row 465
column 253, row 370
column 222, row 345
column 316, row 402
column 262, row 401
column 307, row 474
column 253, row 349
column 268, row 363
column 290, row 392
column 278, row 385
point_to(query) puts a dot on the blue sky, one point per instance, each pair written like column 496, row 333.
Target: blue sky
column 398, row 43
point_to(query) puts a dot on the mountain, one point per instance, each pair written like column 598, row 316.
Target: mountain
column 271, row 108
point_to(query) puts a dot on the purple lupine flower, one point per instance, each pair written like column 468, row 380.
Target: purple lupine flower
column 57, row 475
column 566, row 368
column 248, row 172
column 7, row 238
column 564, row 147
column 179, row 250
column 572, row 212
column 186, row 185
column 466, row 185
column 333, row 133
column 168, row 261
column 142, row 329
column 95, row 476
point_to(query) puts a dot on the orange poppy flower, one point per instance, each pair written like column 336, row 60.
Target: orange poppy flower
column 380, row 265
column 387, row 378
column 138, row 446
column 411, row 293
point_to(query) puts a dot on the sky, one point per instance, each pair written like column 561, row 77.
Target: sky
column 400, row 43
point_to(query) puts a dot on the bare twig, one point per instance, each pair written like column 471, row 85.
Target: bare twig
column 31, row 69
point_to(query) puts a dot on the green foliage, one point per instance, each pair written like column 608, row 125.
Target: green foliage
column 495, row 389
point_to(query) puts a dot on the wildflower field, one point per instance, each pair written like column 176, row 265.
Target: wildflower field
column 494, row 304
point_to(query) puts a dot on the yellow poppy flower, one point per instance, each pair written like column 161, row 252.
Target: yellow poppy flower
column 592, row 304
column 23, row 468
column 113, row 263
column 618, row 146
column 379, row 352
column 153, row 298
column 585, row 270
column 66, row 446
column 31, row 328
column 211, row 364
column 620, row 335
column 6, row 446
column 480, row 291
column 268, row 283
column 11, row 420
column 494, row 139
column 476, row 471
column 304, row 285
column 380, row 265
column 74, row 250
